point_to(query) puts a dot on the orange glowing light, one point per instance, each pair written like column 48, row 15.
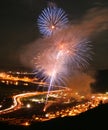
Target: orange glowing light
column 26, row 124
column 52, row 26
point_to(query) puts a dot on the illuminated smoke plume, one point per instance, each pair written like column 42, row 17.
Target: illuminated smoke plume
column 62, row 53
column 68, row 50
column 80, row 82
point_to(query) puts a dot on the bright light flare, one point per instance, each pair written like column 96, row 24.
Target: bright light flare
column 52, row 27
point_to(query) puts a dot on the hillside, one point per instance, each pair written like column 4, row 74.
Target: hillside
column 92, row 119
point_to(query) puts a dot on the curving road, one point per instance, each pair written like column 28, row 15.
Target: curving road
column 17, row 100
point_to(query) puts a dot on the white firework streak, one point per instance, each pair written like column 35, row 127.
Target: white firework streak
column 65, row 52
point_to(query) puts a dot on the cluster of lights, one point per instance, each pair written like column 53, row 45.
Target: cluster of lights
column 9, row 78
column 75, row 110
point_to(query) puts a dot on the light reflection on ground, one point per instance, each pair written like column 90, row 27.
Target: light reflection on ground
column 28, row 107
column 55, row 107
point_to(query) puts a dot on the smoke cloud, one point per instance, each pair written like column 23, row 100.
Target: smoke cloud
column 94, row 22
column 80, row 82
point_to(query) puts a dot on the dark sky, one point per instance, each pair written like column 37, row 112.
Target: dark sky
column 18, row 28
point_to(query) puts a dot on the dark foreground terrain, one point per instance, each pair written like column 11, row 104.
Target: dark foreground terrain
column 92, row 119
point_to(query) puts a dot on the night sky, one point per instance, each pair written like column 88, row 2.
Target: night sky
column 18, row 28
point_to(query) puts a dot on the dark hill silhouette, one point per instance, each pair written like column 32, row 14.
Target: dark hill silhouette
column 92, row 119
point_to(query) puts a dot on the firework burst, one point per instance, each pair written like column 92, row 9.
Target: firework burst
column 63, row 52
column 59, row 56
column 51, row 20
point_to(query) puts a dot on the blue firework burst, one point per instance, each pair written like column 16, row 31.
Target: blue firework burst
column 51, row 20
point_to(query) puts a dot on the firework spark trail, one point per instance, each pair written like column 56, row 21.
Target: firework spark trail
column 72, row 50
column 94, row 21
column 66, row 51
column 50, row 85
column 74, row 40
column 53, row 75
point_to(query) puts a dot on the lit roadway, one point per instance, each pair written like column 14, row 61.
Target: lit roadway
column 17, row 103
column 69, row 111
